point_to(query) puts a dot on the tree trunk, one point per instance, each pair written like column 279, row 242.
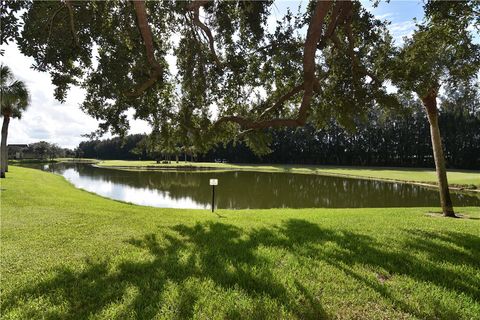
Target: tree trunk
column 3, row 146
column 430, row 104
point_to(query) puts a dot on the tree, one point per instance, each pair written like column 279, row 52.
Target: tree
column 228, row 58
column 14, row 100
column 127, row 148
column 463, row 98
column 41, row 149
column 440, row 52
column 78, row 152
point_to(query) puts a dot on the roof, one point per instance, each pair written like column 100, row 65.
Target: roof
column 18, row 145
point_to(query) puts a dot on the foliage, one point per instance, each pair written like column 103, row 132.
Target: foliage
column 9, row 11
column 441, row 51
column 228, row 59
column 401, row 140
column 115, row 148
column 69, row 254
column 14, row 99
column 14, row 93
column 43, row 150
column 462, row 99
column 384, row 140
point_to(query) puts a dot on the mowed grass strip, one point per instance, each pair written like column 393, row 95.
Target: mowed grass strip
column 466, row 178
column 69, row 254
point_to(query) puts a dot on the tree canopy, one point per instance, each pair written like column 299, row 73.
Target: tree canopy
column 14, row 93
column 395, row 140
column 441, row 51
column 235, row 73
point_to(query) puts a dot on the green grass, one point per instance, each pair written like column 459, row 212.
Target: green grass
column 76, row 160
column 67, row 253
column 426, row 175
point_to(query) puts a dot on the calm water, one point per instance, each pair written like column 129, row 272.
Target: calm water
column 242, row 189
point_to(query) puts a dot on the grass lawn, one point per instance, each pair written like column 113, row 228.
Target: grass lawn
column 67, row 253
column 76, row 160
column 426, row 175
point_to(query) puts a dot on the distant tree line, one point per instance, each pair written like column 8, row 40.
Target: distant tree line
column 46, row 150
column 393, row 140
column 128, row 148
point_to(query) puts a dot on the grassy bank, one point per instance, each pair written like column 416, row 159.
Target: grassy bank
column 466, row 178
column 66, row 253
column 56, row 160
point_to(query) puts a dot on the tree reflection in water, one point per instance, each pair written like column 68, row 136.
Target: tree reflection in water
column 244, row 189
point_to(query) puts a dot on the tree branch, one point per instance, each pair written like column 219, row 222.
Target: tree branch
column 196, row 4
column 282, row 99
column 314, row 35
column 51, row 22
column 208, row 33
column 146, row 33
column 340, row 14
column 334, row 19
column 68, row 3
column 195, row 7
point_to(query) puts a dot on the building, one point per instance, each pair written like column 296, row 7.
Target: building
column 19, row 151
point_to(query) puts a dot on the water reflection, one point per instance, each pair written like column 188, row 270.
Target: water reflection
column 240, row 189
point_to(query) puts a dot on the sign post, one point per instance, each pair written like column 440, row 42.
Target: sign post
column 213, row 183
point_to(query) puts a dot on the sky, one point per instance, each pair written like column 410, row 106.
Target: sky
column 64, row 123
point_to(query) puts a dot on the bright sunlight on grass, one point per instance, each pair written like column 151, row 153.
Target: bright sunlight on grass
column 70, row 254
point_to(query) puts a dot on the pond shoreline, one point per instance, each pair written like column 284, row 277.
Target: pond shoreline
column 456, row 187
column 244, row 189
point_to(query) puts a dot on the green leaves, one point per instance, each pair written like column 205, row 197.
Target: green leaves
column 15, row 95
column 441, row 50
column 250, row 65
column 9, row 11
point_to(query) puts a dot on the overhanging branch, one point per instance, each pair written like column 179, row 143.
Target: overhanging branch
column 309, row 85
column 195, row 7
column 146, row 33
column 52, row 18
column 68, row 3
column 282, row 99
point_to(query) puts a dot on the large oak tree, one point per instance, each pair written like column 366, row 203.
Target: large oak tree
column 236, row 73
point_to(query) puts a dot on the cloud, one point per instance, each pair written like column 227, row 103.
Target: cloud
column 400, row 13
column 46, row 118
column 402, row 29
column 385, row 16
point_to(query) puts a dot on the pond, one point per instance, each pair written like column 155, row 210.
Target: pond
column 246, row 189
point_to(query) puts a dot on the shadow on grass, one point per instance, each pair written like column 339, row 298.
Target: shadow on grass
column 228, row 256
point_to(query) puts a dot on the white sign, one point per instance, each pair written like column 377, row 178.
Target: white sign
column 213, row 182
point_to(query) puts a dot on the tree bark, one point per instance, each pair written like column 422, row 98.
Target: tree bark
column 3, row 146
column 146, row 33
column 430, row 104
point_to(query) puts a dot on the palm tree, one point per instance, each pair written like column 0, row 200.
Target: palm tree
column 14, row 99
